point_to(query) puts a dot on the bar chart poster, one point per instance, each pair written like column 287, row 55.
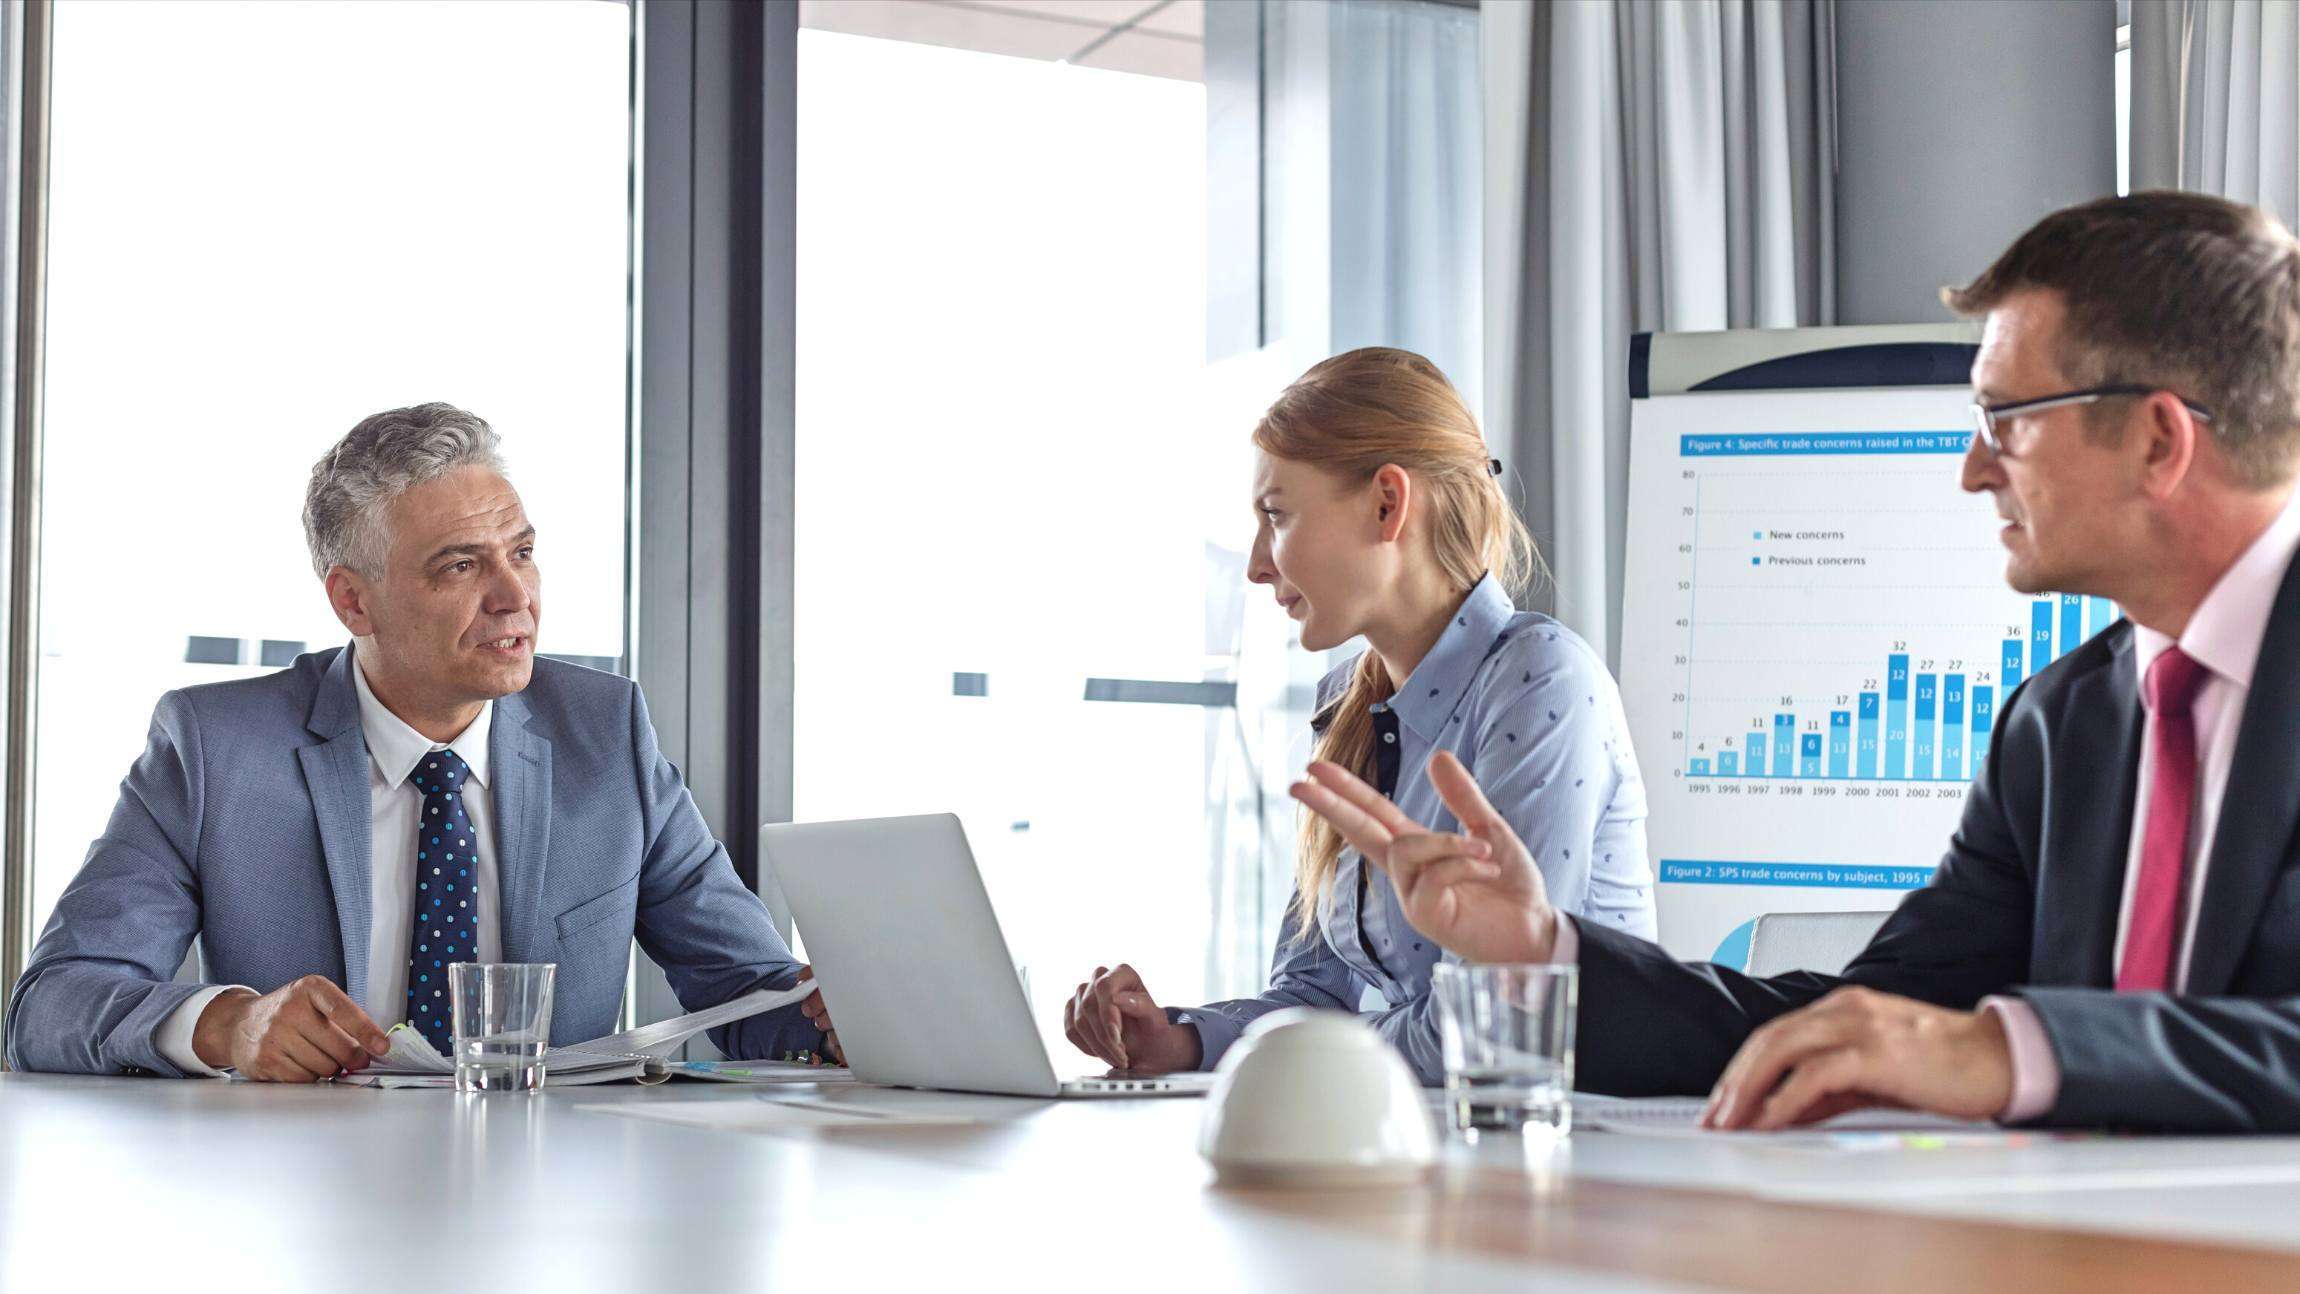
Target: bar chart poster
column 1816, row 637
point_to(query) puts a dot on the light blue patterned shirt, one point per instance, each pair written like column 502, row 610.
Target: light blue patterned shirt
column 1529, row 708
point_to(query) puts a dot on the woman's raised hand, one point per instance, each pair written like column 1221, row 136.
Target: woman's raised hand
column 1476, row 892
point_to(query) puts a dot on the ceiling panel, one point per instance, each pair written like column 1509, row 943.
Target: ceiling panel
column 1182, row 18
column 1150, row 55
column 954, row 26
column 1166, row 43
column 1096, row 13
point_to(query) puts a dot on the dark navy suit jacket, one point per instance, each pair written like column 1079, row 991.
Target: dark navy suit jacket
column 2025, row 903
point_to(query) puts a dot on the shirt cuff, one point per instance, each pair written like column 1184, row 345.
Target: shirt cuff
column 1215, row 1032
column 1565, row 946
column 174, row 1040
column 2035, row 1070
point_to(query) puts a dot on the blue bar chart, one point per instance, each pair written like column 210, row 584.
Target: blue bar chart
column 1936, row 725
column 1818, row 643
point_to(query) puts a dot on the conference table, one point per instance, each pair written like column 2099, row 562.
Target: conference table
column 139, row 1183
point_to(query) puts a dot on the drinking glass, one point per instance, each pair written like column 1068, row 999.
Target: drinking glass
column 502, row 1024
column 1506, row 1033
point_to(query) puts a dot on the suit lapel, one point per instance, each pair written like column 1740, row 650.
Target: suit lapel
column 335, row 772
column 2259, row 809
column 522, row 792
column 2093, row 783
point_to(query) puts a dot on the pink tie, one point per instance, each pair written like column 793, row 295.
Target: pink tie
column 2154, row 934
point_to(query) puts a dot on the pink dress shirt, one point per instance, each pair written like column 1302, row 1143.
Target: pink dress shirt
column 2224, row 636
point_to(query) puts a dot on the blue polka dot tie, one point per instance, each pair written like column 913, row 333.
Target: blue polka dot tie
column 444, row 904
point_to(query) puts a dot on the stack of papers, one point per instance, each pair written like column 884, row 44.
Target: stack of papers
column 642, row 1053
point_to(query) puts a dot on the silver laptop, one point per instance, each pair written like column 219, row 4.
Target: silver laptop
column 913, row 966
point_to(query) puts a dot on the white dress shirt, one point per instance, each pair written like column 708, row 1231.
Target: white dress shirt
column 394, row 808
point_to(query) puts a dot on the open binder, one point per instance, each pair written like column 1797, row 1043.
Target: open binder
column 642, row 1054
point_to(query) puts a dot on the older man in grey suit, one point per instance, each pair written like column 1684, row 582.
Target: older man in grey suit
column 339, row 833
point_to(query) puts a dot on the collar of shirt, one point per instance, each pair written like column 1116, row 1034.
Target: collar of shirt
column 396, row 748
column 1438, row 682
column 2225, row 632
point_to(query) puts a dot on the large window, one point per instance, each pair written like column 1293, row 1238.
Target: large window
column 1022, row 514
column 1023, row 491
column 1009, row 490
column 2124, row 108
column 266, row 222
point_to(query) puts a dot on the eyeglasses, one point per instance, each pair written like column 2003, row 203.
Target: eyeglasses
column 1986, row 417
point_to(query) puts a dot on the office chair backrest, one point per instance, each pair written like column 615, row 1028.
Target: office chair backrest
column 1814, row 941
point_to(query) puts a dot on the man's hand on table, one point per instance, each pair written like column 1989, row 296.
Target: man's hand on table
column 1856, row 1048
column 302, row 1033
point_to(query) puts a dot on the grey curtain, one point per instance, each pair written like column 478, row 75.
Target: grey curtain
column 1650, row 165
column 2216, row 99
column 1405, row 182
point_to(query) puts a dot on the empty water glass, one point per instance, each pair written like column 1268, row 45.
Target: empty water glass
column 502, row 1022
column 1506, row 1033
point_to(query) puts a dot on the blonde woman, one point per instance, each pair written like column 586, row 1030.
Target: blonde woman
column 1380, row 515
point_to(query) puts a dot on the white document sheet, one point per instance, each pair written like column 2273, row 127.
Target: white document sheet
column 1939, row 1159
column 773, row 1114
column 665, row 1036
column 635, row 1053
column 760, row 1071
column 1680, row 1116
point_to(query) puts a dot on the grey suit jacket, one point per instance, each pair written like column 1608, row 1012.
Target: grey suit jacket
column 2026, row 903
column 246, row 823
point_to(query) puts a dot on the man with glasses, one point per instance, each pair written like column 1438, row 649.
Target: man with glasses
column 2113, row 936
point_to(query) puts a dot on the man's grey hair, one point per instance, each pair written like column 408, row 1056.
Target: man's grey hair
column 383, row 457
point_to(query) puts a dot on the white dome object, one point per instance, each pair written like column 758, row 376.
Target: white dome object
column 1315, row 1098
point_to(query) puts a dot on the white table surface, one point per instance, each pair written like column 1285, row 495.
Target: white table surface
column 149, row 1183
